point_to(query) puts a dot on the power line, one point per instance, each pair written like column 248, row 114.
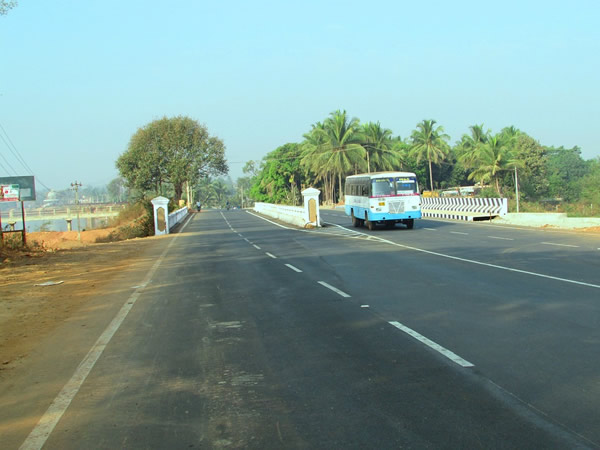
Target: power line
column 14, row 150
column 3, row 168
column 14, row 172
column 18, row 156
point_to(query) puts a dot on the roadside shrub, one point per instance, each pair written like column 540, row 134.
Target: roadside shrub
column 488, row 192
column 137, row 221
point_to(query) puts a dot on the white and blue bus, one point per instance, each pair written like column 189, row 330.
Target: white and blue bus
column 383, row 197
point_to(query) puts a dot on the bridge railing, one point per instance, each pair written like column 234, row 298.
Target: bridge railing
column 63, row 211
column 177, row 216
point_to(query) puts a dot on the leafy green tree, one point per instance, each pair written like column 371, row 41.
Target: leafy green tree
column 280, row 179
column 117, row 191
column 243, row 186
column 565, row 167
column 251, row 168
column 429, row 143
column 451, row 172
column 590, row 186
column 6, row 6
column 532, row 176
column 171, row 150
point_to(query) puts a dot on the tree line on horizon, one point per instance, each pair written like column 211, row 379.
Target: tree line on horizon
column 340, row 146
column 177, row 157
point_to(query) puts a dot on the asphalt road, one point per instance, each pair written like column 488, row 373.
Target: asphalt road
column 247, row 334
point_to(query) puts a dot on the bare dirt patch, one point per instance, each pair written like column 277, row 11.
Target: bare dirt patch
column 29, row 312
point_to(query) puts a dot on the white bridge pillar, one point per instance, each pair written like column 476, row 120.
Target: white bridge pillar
column 161, row 215
column 312, row 215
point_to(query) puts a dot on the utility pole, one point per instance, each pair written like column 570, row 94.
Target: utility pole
column 75, row 186
column 517, row 187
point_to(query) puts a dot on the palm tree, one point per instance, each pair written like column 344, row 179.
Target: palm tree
column 512, row 133
column 469, row 145
column 333, row 148
column 381, row 153
column 429, row 142
column 493, row 158
column 221, row 191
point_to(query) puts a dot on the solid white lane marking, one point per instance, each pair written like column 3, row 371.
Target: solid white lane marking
column 295, row 269
column 560, row 245
column 437, row 347
column 270, row 221
column 256, row 247
column 502, row 238
column 271, row 255
column 459, row 232
column 429, row 229
column 334, row 289
column 40, row 433
column 495, row 266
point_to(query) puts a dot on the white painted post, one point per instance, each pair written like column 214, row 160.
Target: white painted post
column 161, row 215
column 308, row 195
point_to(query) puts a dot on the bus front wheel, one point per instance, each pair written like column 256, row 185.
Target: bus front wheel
column 369, row 223
column 410, row 223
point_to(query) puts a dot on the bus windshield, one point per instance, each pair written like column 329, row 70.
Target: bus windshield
column 406, row 185
column 382, row 186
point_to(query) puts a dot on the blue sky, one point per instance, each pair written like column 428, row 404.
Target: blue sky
column 78, row 78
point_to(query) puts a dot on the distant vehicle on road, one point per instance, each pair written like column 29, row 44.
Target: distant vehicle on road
column 383, row 198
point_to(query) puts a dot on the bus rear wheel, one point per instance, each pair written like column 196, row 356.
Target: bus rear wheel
column 410, row 223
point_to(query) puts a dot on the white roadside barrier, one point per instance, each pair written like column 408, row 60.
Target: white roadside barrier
column 289, row 214
column 464, row 208
column 302, row 216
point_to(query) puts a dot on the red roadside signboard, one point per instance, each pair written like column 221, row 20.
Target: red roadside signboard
column 9, row 193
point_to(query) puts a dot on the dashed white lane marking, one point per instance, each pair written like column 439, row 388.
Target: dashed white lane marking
column 560, row 245
column 501, row 238
column 456, row 258
column 364, row 306
column 40, row 433
column 459, row 232
column 246, row 239
column 271, row 255
column 334, row 289
column 437, row 347
column 429, row 229
column 256, row 246
column 295, row 269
